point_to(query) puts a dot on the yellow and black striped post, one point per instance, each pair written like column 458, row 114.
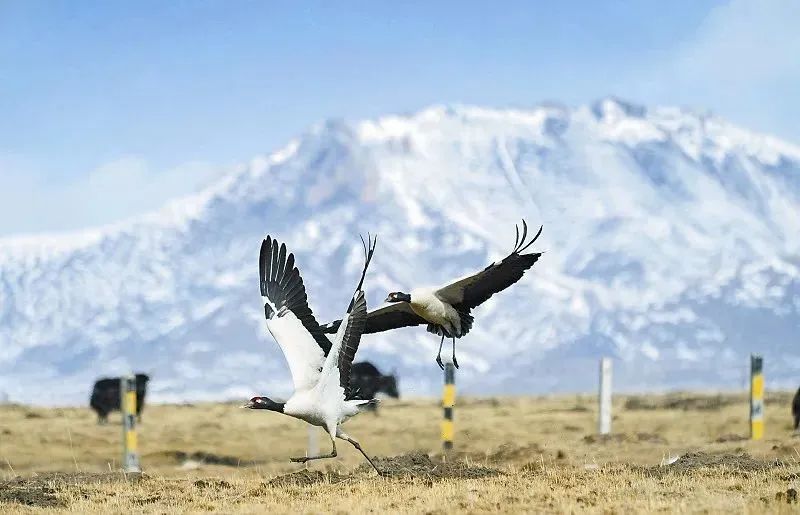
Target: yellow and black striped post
column 130, row 452
column 756, row 397
column 448, row 401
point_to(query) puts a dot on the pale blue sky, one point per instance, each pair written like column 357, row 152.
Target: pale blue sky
column 109, row 108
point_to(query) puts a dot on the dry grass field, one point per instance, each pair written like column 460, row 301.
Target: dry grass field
column 514, row 454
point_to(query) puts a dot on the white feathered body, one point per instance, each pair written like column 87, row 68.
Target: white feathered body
column 425, row 303
column 318, row 399
column 320, row 409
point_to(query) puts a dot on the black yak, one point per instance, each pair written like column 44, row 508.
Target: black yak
column 106, row 396
column 367, row 380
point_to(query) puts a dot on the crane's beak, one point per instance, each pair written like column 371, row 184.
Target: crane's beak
column 248, row 405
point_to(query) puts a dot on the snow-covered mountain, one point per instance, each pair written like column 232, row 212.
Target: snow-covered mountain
column 672, row 243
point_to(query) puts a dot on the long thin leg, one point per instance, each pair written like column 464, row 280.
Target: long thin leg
column 455, row 362
column 439, row 355
column 304, row 459
column 345, row 436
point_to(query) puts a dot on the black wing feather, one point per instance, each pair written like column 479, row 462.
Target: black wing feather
column 282, row 284
column 496, row 278
column 386, row 318
column 401, row 316
column 499, row 276
column 356, row 323
column 352, row 337
column 262, row 264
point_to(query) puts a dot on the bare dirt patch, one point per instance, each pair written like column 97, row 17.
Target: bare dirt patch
column 39, row 495
column 694, row 461
column 42, row 490
column 420, row 465
column 623, row 437
column 790, row 496
column 510, row 452
column 212, row 484
column 306, row 478
column 731, row 438
column 208, row 458
column 681, row 402
column 791, row 452
column 577, row 408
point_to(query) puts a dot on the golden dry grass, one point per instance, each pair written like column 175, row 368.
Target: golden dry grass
column 549, row 460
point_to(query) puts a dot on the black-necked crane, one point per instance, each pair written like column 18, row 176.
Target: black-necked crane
column 446, row 310
column 320, row 368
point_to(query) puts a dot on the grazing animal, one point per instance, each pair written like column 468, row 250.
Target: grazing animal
column 106, row 396
column 320, row 368
column 367, row 381
column 796, row 410
column 446, row 310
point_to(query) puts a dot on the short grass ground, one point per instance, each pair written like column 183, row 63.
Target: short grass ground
column 513, row 454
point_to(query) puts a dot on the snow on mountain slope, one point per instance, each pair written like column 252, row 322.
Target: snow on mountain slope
column 672, row 243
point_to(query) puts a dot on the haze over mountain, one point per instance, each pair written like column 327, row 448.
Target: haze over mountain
column 672, row 241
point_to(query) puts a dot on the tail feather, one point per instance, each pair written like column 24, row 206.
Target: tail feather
column 362, row 404
column 466, row 325
column 438, row 330
column 367, row 403
column 466, row 321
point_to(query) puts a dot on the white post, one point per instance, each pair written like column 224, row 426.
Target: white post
column 313, row 442
column 604, row 426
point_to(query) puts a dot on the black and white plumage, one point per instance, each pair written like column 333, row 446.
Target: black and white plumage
column 447, row 310
column 320, row 368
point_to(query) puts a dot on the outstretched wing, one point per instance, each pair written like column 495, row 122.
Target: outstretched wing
column 356, row 321
column 350, row 330
column 471, row 291
column 289, row 319
column 390, row 316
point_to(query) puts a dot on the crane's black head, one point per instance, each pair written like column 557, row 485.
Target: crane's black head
column 397, row 296
column 264, row 403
